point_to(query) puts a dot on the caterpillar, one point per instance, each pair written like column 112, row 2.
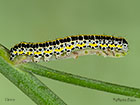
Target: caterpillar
column 45, row 50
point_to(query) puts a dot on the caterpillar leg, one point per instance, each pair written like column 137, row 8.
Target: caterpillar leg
column 36, row 58
column 108, row 52
column 75, row 55
column 47, row 57
column 57, row 55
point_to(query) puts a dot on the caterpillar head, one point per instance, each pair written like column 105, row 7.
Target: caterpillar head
column 125, row 45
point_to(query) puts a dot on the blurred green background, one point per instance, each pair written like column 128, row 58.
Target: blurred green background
column 41, row 20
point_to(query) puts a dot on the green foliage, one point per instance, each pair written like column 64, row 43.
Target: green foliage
column 80, row 81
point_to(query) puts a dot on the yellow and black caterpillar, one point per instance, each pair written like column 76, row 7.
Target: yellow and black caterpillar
column 66, row 45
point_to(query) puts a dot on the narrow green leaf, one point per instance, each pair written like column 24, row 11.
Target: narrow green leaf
column 80, row 81
column 27, row 82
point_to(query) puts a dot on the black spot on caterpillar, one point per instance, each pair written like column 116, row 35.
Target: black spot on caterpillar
column 69, row 44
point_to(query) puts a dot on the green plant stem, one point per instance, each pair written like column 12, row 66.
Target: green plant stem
column 27, row 82
column 80, row 81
